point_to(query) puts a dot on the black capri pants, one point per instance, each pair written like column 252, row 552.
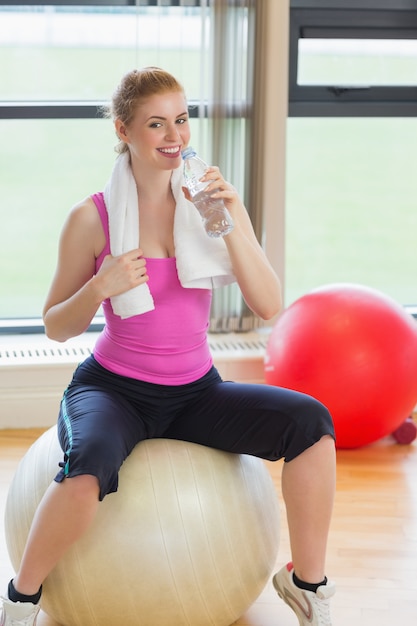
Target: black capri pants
column 104, row 415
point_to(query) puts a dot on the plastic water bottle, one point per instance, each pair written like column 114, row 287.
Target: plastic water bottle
column 216, row 218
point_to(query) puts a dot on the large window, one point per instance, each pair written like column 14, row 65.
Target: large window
column 59, row 63
column 352, row 147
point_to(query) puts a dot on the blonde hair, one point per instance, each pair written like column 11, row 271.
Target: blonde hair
column 134, row 87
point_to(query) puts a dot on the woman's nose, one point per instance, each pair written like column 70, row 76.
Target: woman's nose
column 173, row 132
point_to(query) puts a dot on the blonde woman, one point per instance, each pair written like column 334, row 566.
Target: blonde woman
column 151, row 373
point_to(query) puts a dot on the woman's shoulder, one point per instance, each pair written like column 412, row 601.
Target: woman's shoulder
column 84, row 212
column 85, row 224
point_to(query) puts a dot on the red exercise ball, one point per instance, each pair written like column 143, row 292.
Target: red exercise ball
column 354, row 349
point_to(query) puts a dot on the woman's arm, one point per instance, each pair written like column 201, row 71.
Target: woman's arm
column 259, row 284
column 77, row 292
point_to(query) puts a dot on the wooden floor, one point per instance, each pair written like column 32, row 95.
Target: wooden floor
column 373, row 544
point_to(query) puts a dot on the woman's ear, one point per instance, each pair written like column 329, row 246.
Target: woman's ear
column 121, row 130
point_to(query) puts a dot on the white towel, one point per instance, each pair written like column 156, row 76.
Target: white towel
column 202, row 262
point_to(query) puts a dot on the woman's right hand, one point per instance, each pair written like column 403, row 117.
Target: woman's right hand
column 118, row 274
column 77, row 289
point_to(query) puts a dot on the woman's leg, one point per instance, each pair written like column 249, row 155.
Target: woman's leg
column 97, row 429
column 273, row 423
column 308, row 487
column 64, row 514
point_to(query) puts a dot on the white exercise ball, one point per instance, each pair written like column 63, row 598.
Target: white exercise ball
column 190, row 538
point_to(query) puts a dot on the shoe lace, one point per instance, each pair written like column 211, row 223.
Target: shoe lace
column 322, row 609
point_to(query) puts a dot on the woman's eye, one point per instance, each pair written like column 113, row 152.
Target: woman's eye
column 156, row 124
column 182, row 120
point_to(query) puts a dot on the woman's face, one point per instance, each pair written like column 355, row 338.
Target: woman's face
column 159, row 131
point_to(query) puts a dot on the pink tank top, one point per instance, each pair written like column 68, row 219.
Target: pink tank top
column 168, row 345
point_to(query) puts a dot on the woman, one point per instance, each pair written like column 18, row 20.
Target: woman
column 135, row 262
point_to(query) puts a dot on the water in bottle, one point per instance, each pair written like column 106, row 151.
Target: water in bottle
column 216, row 218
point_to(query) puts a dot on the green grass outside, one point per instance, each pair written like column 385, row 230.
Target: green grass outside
column 352, row 205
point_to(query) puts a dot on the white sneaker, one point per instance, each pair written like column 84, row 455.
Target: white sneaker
column 312, row 609
column 18, row 613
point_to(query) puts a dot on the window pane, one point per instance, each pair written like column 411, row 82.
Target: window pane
column 357, row 62
column 48, row 166
column 351, row 205
column 80, row 53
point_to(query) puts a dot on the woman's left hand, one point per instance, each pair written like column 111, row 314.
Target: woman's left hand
column 259, row 284
column 218, row 187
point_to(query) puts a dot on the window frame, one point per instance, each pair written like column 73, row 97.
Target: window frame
column 127, row 3
column 360, row 19
column 344, row 19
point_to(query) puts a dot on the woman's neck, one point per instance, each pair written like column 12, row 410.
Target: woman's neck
column 151, row 182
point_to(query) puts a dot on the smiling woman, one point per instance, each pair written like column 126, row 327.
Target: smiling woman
column 140, row 249
column 138, row 124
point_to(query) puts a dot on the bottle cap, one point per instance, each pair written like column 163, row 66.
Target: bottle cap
column 188, row 152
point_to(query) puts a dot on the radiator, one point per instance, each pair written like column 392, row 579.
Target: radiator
column 35, row 370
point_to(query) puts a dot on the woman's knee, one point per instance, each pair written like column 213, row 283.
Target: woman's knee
column 82, row 488
column 316, row 414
